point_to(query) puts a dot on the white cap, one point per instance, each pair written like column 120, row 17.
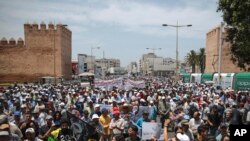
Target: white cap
column 182, row 137
column 95, row 116
column 30, row 130
column 122, row 100
column 163, row 97
column 81, row 99
column 23, row 106
column 151, row 101
column 125, row 104
column 62, row 104
column 142, row 100
column 97, row 105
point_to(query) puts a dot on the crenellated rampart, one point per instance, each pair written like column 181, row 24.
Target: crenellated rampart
column 44, row 51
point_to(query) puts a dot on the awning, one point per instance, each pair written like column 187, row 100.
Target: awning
column 242, row 81
column 206, row 77
column 186, row 77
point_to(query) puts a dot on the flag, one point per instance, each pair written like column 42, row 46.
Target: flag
column 81, row 129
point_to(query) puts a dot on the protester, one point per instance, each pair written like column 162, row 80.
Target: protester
column 64, row 133
column 186, row 129
column 132, row 132
column 164, row 109
column 5, row 133
column 31, row 135
column 144, row 118
column 105, row 121
column 223, row 132
column 117, row 124
column 202, row 133
column 120, row 112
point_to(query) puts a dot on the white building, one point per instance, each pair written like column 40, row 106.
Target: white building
column 86, row 63
column 132, row 68
column 105, row 64
column 116, row 71
column 150, row 64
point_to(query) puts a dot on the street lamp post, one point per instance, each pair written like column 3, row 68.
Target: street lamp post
column 153, row 49
column 92, row 64
column 177, row 26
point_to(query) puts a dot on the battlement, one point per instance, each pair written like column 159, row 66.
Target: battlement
column 11, row 42
column 43, row 27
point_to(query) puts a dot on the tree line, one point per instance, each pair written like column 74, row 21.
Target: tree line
column 196, row 59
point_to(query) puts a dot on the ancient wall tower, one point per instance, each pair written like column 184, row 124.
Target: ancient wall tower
column 212, row 52
column 45, row 51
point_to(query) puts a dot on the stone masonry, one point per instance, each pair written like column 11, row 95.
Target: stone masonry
column 212, row 52
column 44, row 52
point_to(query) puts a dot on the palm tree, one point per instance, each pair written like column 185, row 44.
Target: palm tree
column 191, row 59
column 202, row 60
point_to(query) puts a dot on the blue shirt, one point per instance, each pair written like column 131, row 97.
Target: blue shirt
column 140, row 121
column 152, row 112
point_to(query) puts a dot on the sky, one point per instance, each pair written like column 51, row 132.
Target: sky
column 123, row 29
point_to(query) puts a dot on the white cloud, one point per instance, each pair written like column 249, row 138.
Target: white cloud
column 134, row 16
column 140, row 16
column 146, row 18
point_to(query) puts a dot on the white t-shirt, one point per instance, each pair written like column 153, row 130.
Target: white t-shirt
column 248, row 116
column 193, row 125
column 119, row 123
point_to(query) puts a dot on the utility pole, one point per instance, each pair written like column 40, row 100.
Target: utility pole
column 220, row 47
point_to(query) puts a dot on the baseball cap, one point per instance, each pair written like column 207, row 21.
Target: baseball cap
column 104, row 110
column 62, row 104
column 145, row 112
column 125, row 105
column 182, row 137
column 97, row 105
column 48, row 117
column 95, row 116
column 184, row 122
column 17, row 113
column 30, row 130
column 116, row 112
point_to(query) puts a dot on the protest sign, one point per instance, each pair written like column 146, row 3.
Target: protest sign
column 151, row 129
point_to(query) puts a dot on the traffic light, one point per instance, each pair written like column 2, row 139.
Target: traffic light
column 85, row 67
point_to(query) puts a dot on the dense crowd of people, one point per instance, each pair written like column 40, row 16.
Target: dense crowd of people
column 34, row 112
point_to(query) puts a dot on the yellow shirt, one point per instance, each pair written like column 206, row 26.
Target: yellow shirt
column 105, row 121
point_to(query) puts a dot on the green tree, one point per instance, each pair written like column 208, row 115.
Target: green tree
column 236, row 14
column 191, row 59
column 201, row 62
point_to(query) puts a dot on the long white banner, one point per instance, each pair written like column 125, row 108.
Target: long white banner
column 120, row 83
